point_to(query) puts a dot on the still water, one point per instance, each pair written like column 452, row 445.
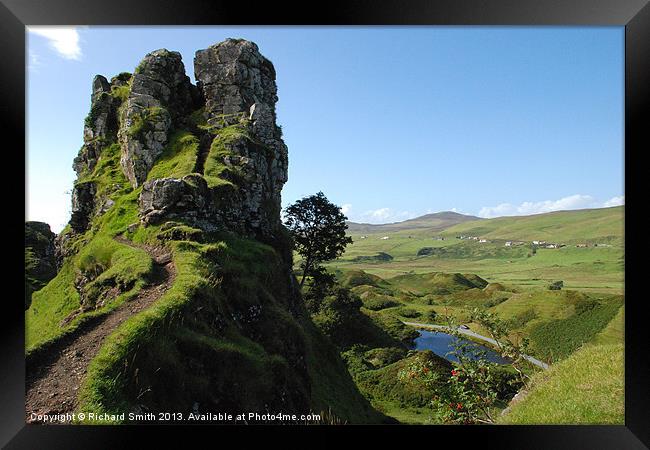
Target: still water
column 442, row 343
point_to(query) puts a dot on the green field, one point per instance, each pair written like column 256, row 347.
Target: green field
column 596, row 268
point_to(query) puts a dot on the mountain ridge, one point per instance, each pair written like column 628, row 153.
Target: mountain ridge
column 436, row 221
column 449, row 222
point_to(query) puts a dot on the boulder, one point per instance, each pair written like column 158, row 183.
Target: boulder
column 173, row 197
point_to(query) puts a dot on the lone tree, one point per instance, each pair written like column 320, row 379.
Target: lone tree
column 317, row 227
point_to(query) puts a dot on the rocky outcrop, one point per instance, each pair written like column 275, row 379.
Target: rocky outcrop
column 100, row 125
column 160, row 96
column 233, row 76
column 83, row 205
column 40, row 261
column 235, row 88
column 238, row 86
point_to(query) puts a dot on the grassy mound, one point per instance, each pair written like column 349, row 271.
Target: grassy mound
column 437, row 282
column 222, row 337
column 379, row 257
column 586, row 388
column 378, row 303
column 353, row 278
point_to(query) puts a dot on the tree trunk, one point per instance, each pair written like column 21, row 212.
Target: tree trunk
column 304, row 274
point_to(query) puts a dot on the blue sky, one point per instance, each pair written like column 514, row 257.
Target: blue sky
column 389, row 122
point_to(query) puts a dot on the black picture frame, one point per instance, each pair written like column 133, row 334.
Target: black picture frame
column 634, row 15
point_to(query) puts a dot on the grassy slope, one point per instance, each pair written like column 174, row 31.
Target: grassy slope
column 227, row 364
column 556, row 322
column 569, row 226
column 614, row 332
column 117, row 262
column 587, row 387
column 598, row 269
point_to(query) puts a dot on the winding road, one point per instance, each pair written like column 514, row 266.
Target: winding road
column 530, row 359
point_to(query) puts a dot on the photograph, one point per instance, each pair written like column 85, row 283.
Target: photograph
column 406, row 220
column 317, row 225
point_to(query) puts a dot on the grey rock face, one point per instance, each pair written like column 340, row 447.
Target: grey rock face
column 100, row 125
column 173, row 197
column 40, row 239
column 161, row 94
column 83, row 204
column 40, row 257
column 237, row 81
column 233, row 75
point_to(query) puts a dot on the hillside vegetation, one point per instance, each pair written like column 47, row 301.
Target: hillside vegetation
column 587, row 387
column 601, row 225
column 598, row 267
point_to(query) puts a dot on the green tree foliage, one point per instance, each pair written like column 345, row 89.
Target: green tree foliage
column 317, row 227
column 475, row 386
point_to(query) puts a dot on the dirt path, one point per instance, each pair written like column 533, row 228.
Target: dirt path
column 53, row 377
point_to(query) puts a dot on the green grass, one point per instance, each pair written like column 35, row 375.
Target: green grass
column 588, row 225
column 107, row 174
column 107, row 262
column 104, row 387
column 178, row 158
column 594, row 269
column 408, row 402
column 121, row 92
column 586, row 388
column 142, row 123
column 436, row 282
column 216, row 171
column 121, row 265
column 217, row 283
column 555, row 340
column 614, row 332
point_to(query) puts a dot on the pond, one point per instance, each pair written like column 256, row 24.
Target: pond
column 442, row 343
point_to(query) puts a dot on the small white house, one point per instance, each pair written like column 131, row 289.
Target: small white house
column 482, row 241
column 509, row 244
column 384, row 238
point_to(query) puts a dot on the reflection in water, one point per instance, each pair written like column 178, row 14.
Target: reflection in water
column 442, row 343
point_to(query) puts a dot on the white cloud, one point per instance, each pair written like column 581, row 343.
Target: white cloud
column 34, row 61
column 576, row 201
column 460, row 211
column 382, row 215
column 64, row 40
column 615, row 201
column 345, row 209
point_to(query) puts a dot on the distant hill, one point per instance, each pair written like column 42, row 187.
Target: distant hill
column 434, row 222
column 602, row 224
